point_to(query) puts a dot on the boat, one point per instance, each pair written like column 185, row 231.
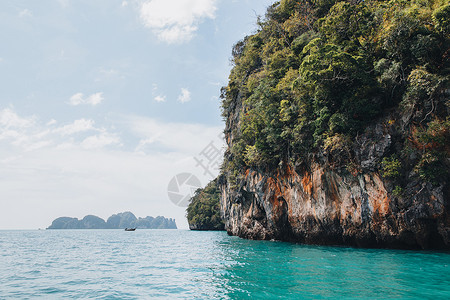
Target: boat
column 130, row 229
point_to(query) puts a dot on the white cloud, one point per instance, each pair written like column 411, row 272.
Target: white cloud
column 25, row 13
column 171, row 137
column 22, row 132
column 51, row 122
column 100, row 141
column 157, row 96
column 9, row 119
column 77, row 126
column 79, row 98
column 49, row 168
column 124, row 3
column 185, row 96
column 160, row 98
column 176, row 21
column 95, row 99
column 38, row 145
column 28, row 134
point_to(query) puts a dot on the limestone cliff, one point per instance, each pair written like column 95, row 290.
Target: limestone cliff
column 338, row 127
column 321, row 201
column 318, row 203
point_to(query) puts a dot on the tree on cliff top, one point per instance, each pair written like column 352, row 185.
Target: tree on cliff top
column 318, row 72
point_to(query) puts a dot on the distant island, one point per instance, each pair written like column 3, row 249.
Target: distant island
column 117, row 221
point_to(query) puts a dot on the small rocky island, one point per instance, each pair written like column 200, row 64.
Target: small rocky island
column 203, row 212
column 117, row 221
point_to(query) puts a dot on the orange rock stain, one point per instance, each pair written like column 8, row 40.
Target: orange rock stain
column 307, row 183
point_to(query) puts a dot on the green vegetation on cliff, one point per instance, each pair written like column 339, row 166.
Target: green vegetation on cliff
column 317, row 72
column 203, row 212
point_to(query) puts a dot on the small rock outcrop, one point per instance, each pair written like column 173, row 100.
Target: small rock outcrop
column 203, row 212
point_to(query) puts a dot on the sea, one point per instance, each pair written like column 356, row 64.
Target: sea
column 183, row 264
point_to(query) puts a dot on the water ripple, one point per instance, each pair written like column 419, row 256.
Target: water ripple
column 177, row 264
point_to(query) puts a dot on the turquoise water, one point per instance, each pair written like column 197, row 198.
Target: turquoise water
column 181, row 264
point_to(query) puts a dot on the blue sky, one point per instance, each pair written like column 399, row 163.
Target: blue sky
column 103, row 102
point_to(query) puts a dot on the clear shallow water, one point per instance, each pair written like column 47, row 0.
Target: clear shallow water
column 181, row 264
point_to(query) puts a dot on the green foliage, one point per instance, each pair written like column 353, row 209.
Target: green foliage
column 397, row 191
column 348, row 25
column 337, row 142
column 343, row 93
column 203, row 212
column 441, row 18
column 433, row 144
column 300, row 42
column 251, row 155
column 429, row 167
column 422, row 85
column 390, row 167
column 436, row 137
column 317, row 72
column 390, row 78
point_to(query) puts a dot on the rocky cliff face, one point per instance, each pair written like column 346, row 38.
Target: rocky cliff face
column 338, row 126
column 317, row 205
column 320, row 202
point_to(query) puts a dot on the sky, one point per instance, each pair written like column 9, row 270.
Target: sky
column 109, row 105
